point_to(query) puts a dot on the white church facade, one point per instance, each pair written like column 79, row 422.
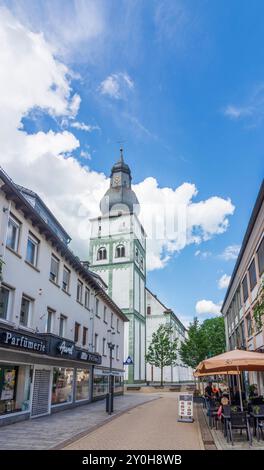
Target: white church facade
column 118, row 255
column 158, row 314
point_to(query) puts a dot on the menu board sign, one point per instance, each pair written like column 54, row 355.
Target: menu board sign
column 186, row 407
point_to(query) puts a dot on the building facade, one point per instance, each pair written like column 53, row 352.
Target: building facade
column 118, row 255
column 56, row 319
column 158, row 314
column 242, row 329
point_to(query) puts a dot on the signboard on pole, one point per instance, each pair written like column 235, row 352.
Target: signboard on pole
column 128, row 362
column 186, row 408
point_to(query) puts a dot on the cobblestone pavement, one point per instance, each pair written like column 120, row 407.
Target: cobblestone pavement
column 149, row 426
column 53, row 430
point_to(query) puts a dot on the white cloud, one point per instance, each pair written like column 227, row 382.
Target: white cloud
column 223, row 282
column 116, row 85
column 235, row 112
column 71, row 27
column 202, row 254
column 86, row 155
column 203, row 307
column 252, row 108
column 84, row 127
column 44, row 161
column 173, row 220
column 230, row 252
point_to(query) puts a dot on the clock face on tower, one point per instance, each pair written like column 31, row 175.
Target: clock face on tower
column 117, row 179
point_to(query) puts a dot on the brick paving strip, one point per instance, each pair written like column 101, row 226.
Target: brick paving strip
column 56, row 430
column 152, row 425
column 207, row 437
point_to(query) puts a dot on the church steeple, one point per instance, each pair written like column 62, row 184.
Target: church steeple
column 120, row 197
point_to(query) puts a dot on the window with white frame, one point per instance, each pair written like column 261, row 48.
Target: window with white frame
column 77, row 327
column 117, row 352
column 97, row 310
column 112, row 320
column 101, row 253
column 85, row 336
column 79, row 291
column 4, row 302
column 25, row 311
column 32, row 250
column 66, row 279
column 245, row 288
column 260, row 255
column 96, row 342
column 62, row 326
column 120, row 251
column 104, row 347
column 50, row 320
column 105, row 314
column 13, row 233
column 54, row 269
column 117, row 325
column 87, row 298
column 252, row 275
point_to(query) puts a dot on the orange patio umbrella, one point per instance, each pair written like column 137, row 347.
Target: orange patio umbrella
column 208, row 374
column 237, row 359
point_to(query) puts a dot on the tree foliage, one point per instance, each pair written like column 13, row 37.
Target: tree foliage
column 258, row 310
column 162, row 350
column 204, row 340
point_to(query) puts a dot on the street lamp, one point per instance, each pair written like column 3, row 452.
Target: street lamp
column 110, row 395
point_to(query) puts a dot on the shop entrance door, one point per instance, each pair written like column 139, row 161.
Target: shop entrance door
column 41, row 393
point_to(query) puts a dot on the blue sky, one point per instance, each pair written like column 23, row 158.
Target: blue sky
column 182, row 84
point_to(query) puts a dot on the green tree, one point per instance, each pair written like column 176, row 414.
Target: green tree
column 193, row 349
column 258, row 310
column 203, row 341
column 213, row 331
column 162, row 350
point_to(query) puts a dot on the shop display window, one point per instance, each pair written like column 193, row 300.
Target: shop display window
column 82, row 384
column 119, row 384
column 62, row 386
column 100, row 385
column 15, row 384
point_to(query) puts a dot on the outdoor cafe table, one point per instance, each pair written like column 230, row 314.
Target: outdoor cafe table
column 256, row 418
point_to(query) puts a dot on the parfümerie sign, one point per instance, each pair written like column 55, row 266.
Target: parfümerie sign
column 28, row 343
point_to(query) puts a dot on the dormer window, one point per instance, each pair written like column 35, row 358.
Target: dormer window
column 101, row 254
column 120, row 251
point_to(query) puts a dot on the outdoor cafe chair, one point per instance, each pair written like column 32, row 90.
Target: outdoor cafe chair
column 257, row 414
column 239, row 421
column 212, row 408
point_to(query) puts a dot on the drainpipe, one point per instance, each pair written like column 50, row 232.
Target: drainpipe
column 4, row 224
column 92, row 318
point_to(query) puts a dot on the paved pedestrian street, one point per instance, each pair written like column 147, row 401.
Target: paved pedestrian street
column 55, row 430
column 152, row 425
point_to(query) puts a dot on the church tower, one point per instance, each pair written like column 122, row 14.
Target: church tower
column 118, row 255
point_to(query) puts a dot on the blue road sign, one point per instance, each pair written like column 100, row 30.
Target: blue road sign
column 129, row 361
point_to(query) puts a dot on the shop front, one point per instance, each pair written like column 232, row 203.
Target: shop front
column 41, row 374
column 101, row 382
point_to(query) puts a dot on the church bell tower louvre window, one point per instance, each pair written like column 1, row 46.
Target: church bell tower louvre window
column 120, row 251
column 101, row 254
